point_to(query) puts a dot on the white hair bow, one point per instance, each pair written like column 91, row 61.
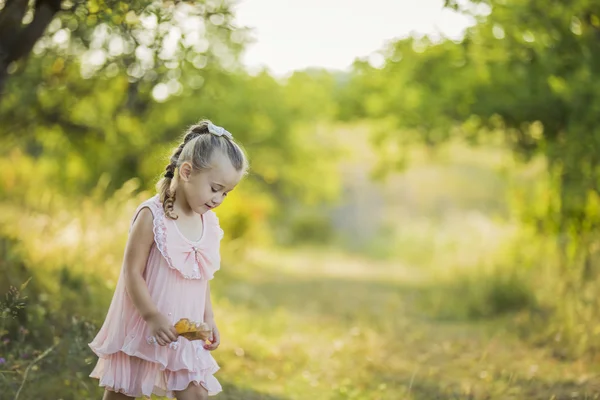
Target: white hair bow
column 219, row 131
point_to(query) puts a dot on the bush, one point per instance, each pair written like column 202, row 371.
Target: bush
column 477, row 295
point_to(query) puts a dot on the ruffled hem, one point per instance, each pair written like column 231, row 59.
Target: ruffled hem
column 184, row 356
column 136, row 377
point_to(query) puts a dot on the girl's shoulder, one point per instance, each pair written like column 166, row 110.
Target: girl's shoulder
column 155, row 207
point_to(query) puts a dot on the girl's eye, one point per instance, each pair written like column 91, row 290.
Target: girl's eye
column 224, row 194
column 214, row 190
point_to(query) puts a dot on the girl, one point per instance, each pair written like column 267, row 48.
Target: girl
column 171, row 254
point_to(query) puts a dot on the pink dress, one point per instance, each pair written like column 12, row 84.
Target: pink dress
column 177, row 274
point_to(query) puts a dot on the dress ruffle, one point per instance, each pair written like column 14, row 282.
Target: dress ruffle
column 124, row 373
column 186, row 355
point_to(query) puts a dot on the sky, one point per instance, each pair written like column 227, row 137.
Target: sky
column 296, row 34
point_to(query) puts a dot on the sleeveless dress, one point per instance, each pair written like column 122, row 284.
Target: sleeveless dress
column 177, row 274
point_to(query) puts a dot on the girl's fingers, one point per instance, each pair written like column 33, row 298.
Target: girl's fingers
column 172, row 334
column 164, row 337
column 212, row 346
column 215, row 341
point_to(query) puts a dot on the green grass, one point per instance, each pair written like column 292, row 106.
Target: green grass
column 322, row 324
column 295, row 326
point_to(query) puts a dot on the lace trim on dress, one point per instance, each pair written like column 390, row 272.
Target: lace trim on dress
column 160, row 238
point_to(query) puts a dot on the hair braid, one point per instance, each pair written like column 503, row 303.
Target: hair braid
column 167, row 192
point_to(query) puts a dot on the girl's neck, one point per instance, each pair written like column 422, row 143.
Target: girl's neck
column 181, row 205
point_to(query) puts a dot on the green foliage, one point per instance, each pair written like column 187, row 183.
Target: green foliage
column 311, row 228
column 476, row 295
column 36, row 337
column 521, row 70
column 525, row 72
column 74, row 126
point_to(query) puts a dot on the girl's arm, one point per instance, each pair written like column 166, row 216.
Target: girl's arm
column 138, row 247
column 209, row 318
column 208, row 310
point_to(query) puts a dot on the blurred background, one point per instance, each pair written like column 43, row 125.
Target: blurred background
column 421, row 217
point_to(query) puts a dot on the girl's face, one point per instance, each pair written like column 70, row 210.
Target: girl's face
column 207, row 189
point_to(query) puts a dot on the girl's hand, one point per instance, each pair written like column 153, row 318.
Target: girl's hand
column 162, row 329
column 214, row 338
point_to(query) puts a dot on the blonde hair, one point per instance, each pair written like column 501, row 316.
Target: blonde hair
column 197, row 148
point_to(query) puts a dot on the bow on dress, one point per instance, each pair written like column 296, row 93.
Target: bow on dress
column 192, row 260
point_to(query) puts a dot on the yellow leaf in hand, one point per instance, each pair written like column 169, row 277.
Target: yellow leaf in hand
column 192, row 330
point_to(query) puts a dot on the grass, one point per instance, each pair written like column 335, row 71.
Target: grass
column 295, row 326
column 322, row 324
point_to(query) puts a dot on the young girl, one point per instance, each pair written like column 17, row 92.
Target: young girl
column 171, row 254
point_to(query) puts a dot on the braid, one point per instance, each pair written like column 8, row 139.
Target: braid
column 167, row 193
column 194, row 132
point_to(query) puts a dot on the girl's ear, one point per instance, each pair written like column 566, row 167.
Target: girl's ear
column 185, row 171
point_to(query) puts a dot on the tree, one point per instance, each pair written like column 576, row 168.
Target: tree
column 142, row 36
column 527, row 68
column 539, row 63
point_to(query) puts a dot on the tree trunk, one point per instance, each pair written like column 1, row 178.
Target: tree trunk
column 17, row 40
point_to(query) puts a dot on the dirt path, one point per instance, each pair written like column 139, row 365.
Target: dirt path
column 319, row 326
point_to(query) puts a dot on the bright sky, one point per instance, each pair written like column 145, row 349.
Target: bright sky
column 295, row 34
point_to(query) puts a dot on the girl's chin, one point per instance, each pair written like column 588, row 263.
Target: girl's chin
column 202, row 209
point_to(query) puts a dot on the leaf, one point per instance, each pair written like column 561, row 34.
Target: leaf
column 24, row 285
column 192, row 330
